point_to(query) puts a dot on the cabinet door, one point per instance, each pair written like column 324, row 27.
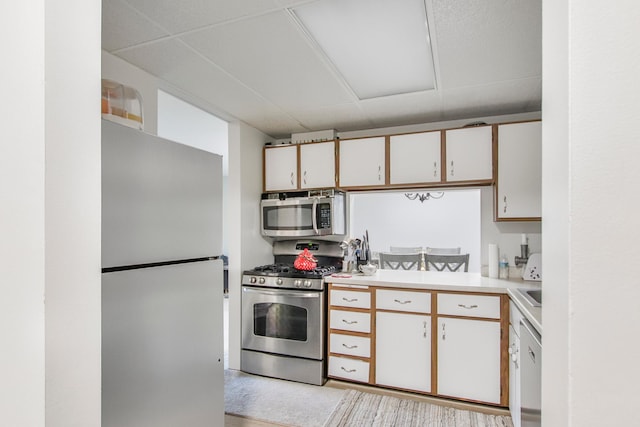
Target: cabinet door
column 403, row 350
column 468, row 154
column 362, row 162
column 469, row 359
column 519, row 187
column 281, row 168
column 415, row 158
column 318, row 165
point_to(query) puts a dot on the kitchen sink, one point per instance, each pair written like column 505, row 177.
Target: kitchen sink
column 533, row 296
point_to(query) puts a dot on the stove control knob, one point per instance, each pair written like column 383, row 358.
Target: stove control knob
column 261, row 281
column 279, row 281
column 297, row 283
column 252, row 280
column 307, row 283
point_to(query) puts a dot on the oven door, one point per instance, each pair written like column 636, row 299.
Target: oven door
column 282, row 321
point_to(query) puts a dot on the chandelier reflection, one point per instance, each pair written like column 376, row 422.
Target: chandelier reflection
column 424, row 196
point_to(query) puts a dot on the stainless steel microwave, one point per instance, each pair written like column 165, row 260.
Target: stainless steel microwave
column 303, row 214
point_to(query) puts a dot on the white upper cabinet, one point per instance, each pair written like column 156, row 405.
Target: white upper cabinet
column 469, row 154
column 519, row 186
column 415, row 158
column 318, row 165
column 362, row 162
column 281, row 168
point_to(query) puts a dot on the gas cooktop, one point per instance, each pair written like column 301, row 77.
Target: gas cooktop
column 286, row 270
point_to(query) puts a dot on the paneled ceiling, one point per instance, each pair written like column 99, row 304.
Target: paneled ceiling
column 251, row 60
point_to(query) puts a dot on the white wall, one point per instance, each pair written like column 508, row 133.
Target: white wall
column 247, row 248
column 50, row 220
column 22, row 246
column 73, row 212
column 590, row 215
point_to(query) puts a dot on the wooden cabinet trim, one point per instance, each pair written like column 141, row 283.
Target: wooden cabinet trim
column 504, row 355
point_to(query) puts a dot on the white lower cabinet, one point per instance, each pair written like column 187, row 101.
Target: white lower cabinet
column 403, row 350
column 469, row 359
column 349, row 369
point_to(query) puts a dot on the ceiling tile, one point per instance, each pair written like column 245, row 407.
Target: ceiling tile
column 341, row 117
column 184, row 15
column 410, row 108
column 174, row 62
column 512, row 97
column 122, row 26
column 270, row 55
column 480, row 41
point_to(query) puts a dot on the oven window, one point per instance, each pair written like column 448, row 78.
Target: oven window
column 276, row 320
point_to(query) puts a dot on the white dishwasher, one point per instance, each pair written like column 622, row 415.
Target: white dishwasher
column 530, row 375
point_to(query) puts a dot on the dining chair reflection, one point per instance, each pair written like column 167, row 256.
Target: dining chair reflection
column 395, row 261
column 405, row 249
column 442, row 251
column 454, row 263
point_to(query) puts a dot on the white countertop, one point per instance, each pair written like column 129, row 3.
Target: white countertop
column 444, row 281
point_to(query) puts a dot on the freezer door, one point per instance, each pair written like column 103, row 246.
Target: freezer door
column 162, row 346
column 161, row 200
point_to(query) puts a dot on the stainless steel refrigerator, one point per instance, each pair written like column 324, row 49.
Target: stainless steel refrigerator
column 162, row 282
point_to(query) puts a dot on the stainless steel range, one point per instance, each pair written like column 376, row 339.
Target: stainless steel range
column 284, row 313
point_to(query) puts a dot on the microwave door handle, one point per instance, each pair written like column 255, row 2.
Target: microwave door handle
column 314, row 216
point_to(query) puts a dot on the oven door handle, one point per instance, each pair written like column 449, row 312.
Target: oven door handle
column 295, row 294
column 314, row 219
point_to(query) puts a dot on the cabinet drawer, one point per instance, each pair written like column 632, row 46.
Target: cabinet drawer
column 350, row 345
column 350, row 321
column 409, row 301
column 353, row 299
column 469, row 305
column 350, row 369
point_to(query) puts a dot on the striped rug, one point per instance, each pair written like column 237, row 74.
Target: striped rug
column 364, row 409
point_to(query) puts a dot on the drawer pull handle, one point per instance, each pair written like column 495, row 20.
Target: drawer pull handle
column 348, row 371
column 350, row 322
column 403, row 302
column 349, row 299
column 468, row 307
column 350, row 347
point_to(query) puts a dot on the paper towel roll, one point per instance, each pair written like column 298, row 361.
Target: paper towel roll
column 493, row 260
